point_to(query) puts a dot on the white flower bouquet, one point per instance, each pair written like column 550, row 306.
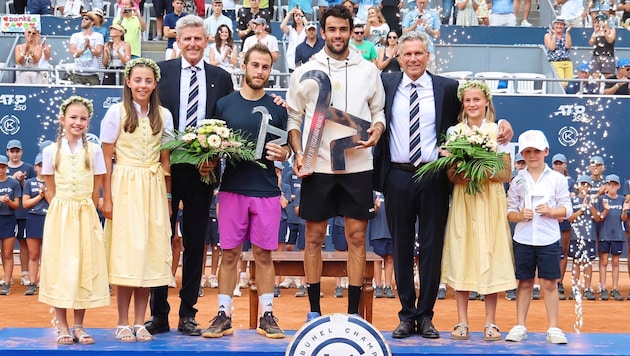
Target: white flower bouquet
column 473, row 153
column 211, row 141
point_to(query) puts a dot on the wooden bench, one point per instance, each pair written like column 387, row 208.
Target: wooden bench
column 334, row 264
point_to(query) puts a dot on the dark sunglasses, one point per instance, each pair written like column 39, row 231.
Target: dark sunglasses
column 86, row 18
column 392, row 37
column 359, row 33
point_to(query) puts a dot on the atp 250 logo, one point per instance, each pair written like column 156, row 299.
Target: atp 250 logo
column 17, row 101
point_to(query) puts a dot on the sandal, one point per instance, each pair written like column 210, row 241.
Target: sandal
column 81, row 336
column 125, row 334
column 491, row 333
column 460, row 332
column 142, row 334
column 64, row 337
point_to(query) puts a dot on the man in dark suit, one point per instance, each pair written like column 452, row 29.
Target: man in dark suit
column 214, row 83
column 407, row 199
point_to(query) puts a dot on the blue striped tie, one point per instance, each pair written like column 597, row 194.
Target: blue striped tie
column 415, row 156
column 193, row 99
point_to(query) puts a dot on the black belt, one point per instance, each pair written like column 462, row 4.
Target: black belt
column 407, row 167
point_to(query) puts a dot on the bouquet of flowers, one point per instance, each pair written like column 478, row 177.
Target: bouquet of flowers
column 473, row 153
column 211, row 141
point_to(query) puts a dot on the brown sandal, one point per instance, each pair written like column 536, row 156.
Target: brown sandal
column 81, row 336
column 491, row 333
column 460, row 332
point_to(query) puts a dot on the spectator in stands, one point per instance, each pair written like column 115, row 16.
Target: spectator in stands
column 376, row 28
column 86, row 47
column 387, row 60
column 427, row 21
column 483, row 14
column 625, row 17
column 366, row 48
column 351, row 6
column 116, row 54
column 162, row 8
column 597, row 8
column 305, row 51
column 195, row 7
column 588, row 87
column 362, row 10
column 134, row 25
column 305, row 6
column 603, row 41
column 29, row 55
column 170, row 20
column 467, row 14
column 216, row 19
column 39, row 7
column 621, row 86
column 223, row 52
column 558, row 45
column 572, row 11
column 263, row 37
column 246, row 16
column 263, row 5
column 390, row 10
column 98, row 24
column 295, row 34
column 229, row 9
column 502, row 13
column 527, row 6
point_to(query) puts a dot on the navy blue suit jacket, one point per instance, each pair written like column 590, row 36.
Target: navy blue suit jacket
column 447, row 108
column 218, row 84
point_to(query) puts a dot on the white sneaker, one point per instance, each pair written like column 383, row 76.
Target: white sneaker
column 173, row 283
column 556, row 336
column 213, row 281
column 525, row 23
column 344, row 282
column 287, row 283
column 243, row 282
column 202, row 283
column 517, row 334
column 25, row 280
column 237, row 292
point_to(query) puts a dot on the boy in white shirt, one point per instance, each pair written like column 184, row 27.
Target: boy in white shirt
column 537, row 198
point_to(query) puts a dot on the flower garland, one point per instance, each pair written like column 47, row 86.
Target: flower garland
column 76, row 99
column 146, row 61
column 479, row 84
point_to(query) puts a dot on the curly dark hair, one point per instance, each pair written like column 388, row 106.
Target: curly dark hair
column 338, row 11
column 217, row 37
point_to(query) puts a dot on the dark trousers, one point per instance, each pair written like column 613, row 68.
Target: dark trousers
column 196, row 195
column 390, row 13
column 407, row 200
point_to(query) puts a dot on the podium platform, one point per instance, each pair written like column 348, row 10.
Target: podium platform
column 42, row 342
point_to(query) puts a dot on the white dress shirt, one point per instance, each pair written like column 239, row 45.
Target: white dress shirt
column 184, row 85
column 399, row 143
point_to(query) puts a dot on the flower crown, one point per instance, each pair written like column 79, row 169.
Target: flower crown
column 146, row 61
column 76, row 99
column 479, row 84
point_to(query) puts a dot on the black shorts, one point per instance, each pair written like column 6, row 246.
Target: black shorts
column 212, row 236
column 326, row 195
column 546, row 258
column 585, row 252
column 614, row 248
column 383, row 247
column 162, row 7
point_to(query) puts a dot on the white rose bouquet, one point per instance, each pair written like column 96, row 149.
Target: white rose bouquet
column 473, row 154
column 211, row 141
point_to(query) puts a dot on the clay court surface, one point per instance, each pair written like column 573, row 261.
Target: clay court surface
column 598, row 316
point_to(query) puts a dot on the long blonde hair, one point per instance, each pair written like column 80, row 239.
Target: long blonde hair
column 155, row 115
column 481, row 85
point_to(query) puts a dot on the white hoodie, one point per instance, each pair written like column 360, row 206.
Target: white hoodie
column 356, row 89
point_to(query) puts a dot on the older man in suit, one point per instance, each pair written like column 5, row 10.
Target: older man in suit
column 407, row 145
column 174, row 88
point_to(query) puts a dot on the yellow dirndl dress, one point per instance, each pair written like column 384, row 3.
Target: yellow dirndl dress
column 73, row 267
column 138, row 237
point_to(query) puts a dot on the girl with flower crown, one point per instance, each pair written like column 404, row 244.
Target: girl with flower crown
column 477, row 247
column 135, row 195
column 73, row 267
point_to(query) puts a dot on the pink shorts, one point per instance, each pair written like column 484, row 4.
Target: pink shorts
column 242, row 218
